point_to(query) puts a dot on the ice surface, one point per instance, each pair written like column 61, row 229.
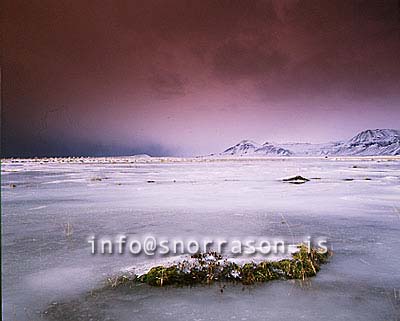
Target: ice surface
column 198, row 197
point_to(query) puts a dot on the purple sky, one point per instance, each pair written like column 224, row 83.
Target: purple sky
column 194, row 77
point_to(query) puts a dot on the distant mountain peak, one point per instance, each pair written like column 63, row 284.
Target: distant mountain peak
column 371, row 136
column 370, row 142
column 270, row 149
column 244, row 147
column 250, row 148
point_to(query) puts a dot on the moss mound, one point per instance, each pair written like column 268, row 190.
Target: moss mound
column 206, row 268
column 296, row 180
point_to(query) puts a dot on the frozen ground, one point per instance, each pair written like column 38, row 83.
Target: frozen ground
column 42, row 265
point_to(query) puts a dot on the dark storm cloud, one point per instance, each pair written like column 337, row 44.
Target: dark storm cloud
column 352, row 47
column 28, row 146
column 166, row 84
column 339, row 47
column 235, row 61
column 110, row 72
column 194, row 20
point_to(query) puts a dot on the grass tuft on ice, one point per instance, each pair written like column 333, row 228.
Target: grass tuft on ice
column 206, row 268
column 296, row 180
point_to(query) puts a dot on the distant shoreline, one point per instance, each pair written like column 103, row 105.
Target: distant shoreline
column 135, row 159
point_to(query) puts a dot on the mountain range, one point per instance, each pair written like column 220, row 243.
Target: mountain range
column 376, row 142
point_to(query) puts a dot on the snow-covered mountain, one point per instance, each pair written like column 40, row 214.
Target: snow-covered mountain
column 251, row 148
column 370, row 143
column 245, row 147
column 308, row 149
column 377, row 142
column 271, row 149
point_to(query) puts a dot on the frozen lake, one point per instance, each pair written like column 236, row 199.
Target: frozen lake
column 353, row 202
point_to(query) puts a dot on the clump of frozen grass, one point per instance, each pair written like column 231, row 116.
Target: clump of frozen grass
column 68, row 230
column 206, row 268
column 296, row 180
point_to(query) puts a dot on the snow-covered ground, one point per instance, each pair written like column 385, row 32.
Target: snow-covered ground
column 50, row 207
